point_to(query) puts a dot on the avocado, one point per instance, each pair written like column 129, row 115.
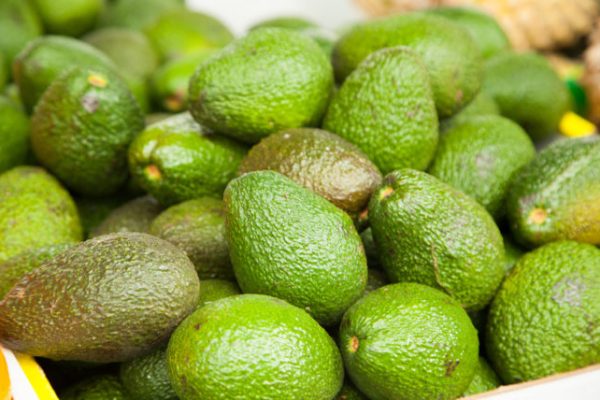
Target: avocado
column 134, row 216
column 450, row 55
column 375, row 280
column 35, row 211
column 324, row 38
column 68, row 17
column 282, row 351
column 483, row 28
column 430, row 233
column 147, row 377
column 288, row 242
column 93, row 210
column 215, row 289
column 349, row 392
column 176, row 160
column 21, row 264
column 136, row 14
column 512, row 254
column 544, row 318
column 169, row 83
column 320, row 161
column 528, row 90
column 14, row 131
column 3, row 72
column 47, row 57
column 408, row 341
column 370, row 250
column 99, row 387
column 485, row 379
column 81, row 129
column 180, row 32
column 386, row 108
column 198, row 228
column 84, row 296
column 555, row 196
column 267, row 81
column 480, row 156
column 482, row 104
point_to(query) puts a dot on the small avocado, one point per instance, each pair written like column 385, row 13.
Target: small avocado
column 84, row 296
column 320, row 161
column 99, row 387
column 408, row 341
column 482, row 104
column 386, row 108
column 269, row 80
column 556, row 196
column 136, row 14
column 176, row 160
column 450, row 55
column 81, row 129
column 430, row 233
column 349, row 392
column 35, row 211
column 14, row 131
column 93, row 210
column 282, row 351
column 528, row 90
column 375, row 280
column 215, row 289
column 480, row 156
column 289, row 242
column 485, row 379
column 147, row 377
column 324, row 38
column 134, row 216
column 370, row 248
column 512, row 254
column 68, row 17
column 544, row 318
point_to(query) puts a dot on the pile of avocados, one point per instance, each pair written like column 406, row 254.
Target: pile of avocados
column 381, row 213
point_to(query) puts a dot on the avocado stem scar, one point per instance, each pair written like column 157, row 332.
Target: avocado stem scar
column 97, row 80
column 386, row 192
column 538, row 216
column 152, row 172
column 354, row 344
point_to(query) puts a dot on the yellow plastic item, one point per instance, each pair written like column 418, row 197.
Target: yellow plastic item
column 4, row 379
column 572, row 125
column 36, row 377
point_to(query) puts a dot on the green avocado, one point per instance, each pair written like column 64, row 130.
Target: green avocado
column 269, row 80
column 430, row 233
column 134, row 216
column 512, row 254
column 14, row 131
column 85, row 297
column 215, row 289
column 375, row 280
column 35, row 211
column 386, row 108
column 408, row 341
column 349, row 392
column 324, row 38
column 81, row 129
column 482, row 104
column 68, row 17
column 370, row 248
column 283, row 353
column 288, row 242
column 93, row 210
column 136, row 14
column 99, row 387
column 485, row 379
column 147, row 377
column 3, row 72
column 320, row 161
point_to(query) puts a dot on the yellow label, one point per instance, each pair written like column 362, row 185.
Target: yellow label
column 36, row 377
column 572, row 125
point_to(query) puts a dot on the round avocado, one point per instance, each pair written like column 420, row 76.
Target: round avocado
column 485, row 379
column 147, row 377
column 14, row 131
column 134, row 216
column 68, row 17
column 215, row 289
column 100, row 387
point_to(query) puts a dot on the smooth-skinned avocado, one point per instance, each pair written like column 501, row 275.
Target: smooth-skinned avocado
column 408, row 341
column 430, row 233
column 82, row 127
column 451, row 56
column 283, row 352
column 147, row 377
column 288, row 242
column 269, row 80
column 134, row 216
column 99, row 387
column 386, row 108
column 68, row 17
column 480, row 156
column 177, row 159
column 84, row 296
column 320, row 161
column 555, row 196
column 14, row 131
column 485, row 379
column 544, row 318
column 35, row 211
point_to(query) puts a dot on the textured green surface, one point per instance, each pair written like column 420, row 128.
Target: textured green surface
column 81, row 129
column 324, row 38
column 349, row 392
column 136, row 14
column 482, row 104
column 269, row 80
column 556, row 196
column 100, row 387
column 198, row 228
column 215, row 289
column 375, row 280
column 134, row 216
column 287, row 242
column 68, row 17
column 480, row 156
column 4, row 69
column 386, row 108
column 450, row 55
column 14, row 131
column 108, row 299
column 147, row 377
column 409, row 341
column 512, row 253
column 320, row 161
column 35, row 211
column 370, row 248
column 485, row 379
column 544, row 319
column 93, row 210
column 176, row 160
column 430, row 233
column 528, row 90
column 283, row 353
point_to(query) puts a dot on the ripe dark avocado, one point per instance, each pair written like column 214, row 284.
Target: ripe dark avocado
column 84, row 303
column 147, row 377
column 430, row 233
column 81, row 129
column 134, row 216
column 386, row 108
column 100, row 387
column 14, row 131
column 556, row 196
column 288, row 242
column 320, row 161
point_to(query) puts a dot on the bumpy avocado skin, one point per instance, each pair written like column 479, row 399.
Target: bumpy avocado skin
column 485, row 379
column 100, row 387
column 215, row 289
column 134, row 216
column 147, row 377
column 14, row 131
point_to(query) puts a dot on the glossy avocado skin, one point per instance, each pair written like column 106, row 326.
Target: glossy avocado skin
column 430, row 233
column 320, row 161
column 134, row 216
column 555, row 196
column 386, row 108
column 62, row 297
column 147, row 377
column 300, row 248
